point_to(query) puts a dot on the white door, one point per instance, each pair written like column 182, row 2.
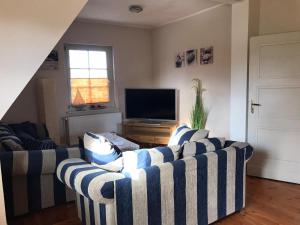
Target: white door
column 274, row 115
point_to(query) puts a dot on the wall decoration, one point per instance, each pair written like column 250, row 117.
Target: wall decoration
column 180, row 60
column 207, row 55
column 51, row 62
column 191, row 56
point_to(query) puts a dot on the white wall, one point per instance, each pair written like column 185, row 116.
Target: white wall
column 25, row 106
column 239, row 70
column 133, row 52
column 132, row 49
column 211, row 28
column 279, row 16
column 252, row 18
column 29, row 30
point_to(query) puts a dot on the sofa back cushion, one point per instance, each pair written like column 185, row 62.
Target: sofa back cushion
column 201, row 146
column 8, row 140
column 143, row 158
column 183, row 134
column 99, row 150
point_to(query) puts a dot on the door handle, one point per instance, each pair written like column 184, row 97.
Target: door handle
column 254, row 105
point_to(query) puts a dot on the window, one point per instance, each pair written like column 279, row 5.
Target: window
column 91, row 74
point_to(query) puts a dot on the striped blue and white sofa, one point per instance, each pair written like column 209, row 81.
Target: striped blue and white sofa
column 30, row 182
column 199, row 189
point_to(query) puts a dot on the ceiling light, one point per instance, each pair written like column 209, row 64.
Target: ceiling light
column 135, row 8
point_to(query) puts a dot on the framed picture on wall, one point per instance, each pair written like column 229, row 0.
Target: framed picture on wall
column 207, row 55
column 180, row 60
column 191, row 56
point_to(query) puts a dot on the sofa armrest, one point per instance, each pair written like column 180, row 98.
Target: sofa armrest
column 88, row 180
column 38, row 162
column 241, row 145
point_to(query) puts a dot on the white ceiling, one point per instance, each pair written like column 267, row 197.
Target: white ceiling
column 156, row 12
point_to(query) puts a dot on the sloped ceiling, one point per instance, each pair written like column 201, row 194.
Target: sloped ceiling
column 29, row 31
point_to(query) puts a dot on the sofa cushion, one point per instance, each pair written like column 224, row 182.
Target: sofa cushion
column 8, row 140
column 201, row 146
column 99, row 150
column 143, row 158
column 183, row 133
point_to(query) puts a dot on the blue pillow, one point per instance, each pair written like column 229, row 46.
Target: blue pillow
column 183, row 134
column 31, row 143
column 99, row 150
column 25, row 127
column 8, row 140
column 143, row 158
column 34, row 144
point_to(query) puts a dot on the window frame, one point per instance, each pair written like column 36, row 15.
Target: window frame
column 110, row 71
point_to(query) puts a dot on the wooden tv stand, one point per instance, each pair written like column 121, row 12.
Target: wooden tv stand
column 149, row 133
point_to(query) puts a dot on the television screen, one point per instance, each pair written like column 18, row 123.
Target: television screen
column 156, row 104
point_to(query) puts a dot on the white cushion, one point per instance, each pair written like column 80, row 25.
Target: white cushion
column 99, row 150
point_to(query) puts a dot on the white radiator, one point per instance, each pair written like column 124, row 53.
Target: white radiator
column 76, row 126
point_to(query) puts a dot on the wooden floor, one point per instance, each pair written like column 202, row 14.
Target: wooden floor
column 268, row 203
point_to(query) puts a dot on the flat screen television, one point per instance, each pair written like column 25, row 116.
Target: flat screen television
column 151, row 104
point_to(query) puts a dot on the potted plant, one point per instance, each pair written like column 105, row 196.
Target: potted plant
column 198, row 115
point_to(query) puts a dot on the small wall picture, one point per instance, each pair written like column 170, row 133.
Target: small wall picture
column 191, row 56
column 207, row 55
column 180, row 60
column 51, row 62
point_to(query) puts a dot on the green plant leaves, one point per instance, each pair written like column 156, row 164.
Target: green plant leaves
column 198, row 116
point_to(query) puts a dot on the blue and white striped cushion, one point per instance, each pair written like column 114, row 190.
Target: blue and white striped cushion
column 88, row 180
column 99, row 150
column 183, row 134
column 143, row 158
column 202, row 146
column 8, row 140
